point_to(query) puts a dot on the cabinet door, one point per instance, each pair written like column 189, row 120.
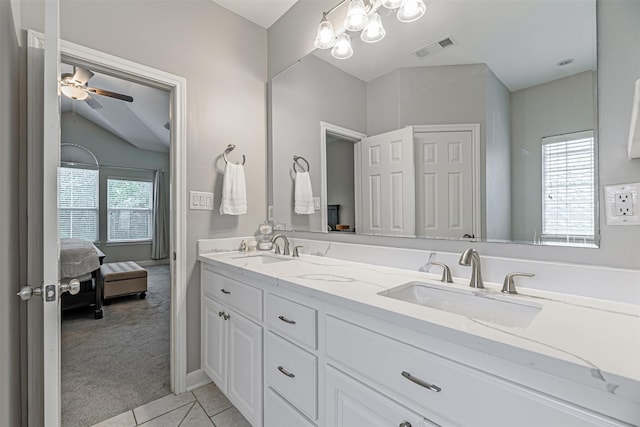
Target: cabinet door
column 352, row 404
column 214, row 342
column 244, row 363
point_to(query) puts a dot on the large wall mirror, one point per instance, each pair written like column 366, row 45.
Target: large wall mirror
column 478, row 121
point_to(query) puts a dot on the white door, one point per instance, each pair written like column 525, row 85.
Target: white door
column 244, row 365
column 43, row 334
column 352, row 404
column 214, row 347
column 387, row 184
column 444, row 184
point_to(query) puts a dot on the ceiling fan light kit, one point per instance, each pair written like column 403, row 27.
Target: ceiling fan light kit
column 75, row 86
column 362, row 16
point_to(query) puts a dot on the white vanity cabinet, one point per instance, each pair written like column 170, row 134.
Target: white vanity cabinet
column 232, row 343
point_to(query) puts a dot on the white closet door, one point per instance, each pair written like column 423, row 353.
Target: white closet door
column 388, row 184
column 444, row 184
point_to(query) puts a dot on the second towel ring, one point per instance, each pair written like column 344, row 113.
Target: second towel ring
column 295, row 162
column 229, row 149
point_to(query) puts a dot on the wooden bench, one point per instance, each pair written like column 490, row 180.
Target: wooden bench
column 123, row 278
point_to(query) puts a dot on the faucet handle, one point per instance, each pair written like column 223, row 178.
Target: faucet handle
column 509, row 285
column 277, row 248
column 446, row 272
column 296, row 251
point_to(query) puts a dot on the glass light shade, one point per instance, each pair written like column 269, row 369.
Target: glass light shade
column 392, row 4
column 356, row 18
column 325, row 38
column 74, row 92
column 374, row 31
column 342, row 49
column 411, row 10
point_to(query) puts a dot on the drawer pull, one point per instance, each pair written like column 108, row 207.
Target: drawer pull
column 285, row 372
column 220, row 313
column 421, row 383
column 285, row 320
column 224, row 291
column 226, row 316
column 405, row 424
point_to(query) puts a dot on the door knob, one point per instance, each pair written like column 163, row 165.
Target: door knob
column 26, row 292
column 73, row 287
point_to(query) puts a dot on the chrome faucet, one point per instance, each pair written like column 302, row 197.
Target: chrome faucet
column 286, row 243
column 470, row 257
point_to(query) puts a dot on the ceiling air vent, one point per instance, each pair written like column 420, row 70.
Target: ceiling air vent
column 433, row 48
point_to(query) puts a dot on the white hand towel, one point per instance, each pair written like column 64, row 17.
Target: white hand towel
column 303, row 194
column 234, row 191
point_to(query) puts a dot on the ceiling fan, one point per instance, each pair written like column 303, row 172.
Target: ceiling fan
column 74, row 86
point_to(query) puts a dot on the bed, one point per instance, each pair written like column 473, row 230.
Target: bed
column 80, row 259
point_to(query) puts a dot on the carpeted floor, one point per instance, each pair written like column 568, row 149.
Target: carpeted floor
column 120, row 362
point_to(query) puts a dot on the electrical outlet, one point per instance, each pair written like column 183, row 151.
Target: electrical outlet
column 316, row 203
column 622, row 204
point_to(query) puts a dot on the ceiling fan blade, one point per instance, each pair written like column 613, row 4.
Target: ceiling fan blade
column 82, row 76
column 92, row 102
column 103, row 92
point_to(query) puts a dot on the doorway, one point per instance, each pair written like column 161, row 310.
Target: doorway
column 44, row 319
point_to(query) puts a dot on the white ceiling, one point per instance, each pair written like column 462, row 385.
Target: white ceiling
column 141, row 122
column 521, row 41
column 261, row 12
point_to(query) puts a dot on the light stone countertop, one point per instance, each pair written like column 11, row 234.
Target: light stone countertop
column 591, row 341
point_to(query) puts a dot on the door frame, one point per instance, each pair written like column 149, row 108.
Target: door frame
column 349, row 134
column 474, row 128
column 177, row 86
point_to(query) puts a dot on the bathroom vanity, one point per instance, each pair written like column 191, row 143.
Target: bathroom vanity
column 316, row 341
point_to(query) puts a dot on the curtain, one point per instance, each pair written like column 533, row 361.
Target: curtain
column 160, row 232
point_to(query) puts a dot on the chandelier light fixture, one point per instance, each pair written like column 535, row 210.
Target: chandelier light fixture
column 362, row 16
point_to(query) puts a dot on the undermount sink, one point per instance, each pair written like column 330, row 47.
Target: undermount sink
column 480, row 305
column 262, row 258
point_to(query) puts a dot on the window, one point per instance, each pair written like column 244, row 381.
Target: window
column 568, row 181
column 129, row 207
column 78, row 203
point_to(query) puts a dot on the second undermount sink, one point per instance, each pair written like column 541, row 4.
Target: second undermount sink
column 262, row 258
column 475, row 304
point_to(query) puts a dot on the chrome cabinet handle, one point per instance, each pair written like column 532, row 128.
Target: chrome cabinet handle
column 285, row 320
column 226, row 316
column 224, row 291
column 220, row 313
column 421, row 383
column 405, row 424
column 285, row 372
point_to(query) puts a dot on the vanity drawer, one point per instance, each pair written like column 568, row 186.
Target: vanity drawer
column 457, row 393
column 292, row 372
column 293, row 320
column 279, row 413
column 239, row 296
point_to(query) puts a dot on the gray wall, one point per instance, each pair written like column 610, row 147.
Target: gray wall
column 618, row 68
column 497, row 164
column 340, row 185
column 312, row 92
column 9, row 220
column 224, row 59
column 111, row 150
column 554, row 108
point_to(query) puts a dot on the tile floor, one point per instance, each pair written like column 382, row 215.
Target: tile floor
column 203, row 407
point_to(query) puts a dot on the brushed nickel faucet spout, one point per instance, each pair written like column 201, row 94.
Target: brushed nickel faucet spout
column 470, row 257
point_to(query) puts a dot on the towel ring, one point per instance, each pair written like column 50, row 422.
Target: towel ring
column 229, row 149
column 295, row 161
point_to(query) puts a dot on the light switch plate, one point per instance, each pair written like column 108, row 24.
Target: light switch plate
column 201, row 200
column 622, row 204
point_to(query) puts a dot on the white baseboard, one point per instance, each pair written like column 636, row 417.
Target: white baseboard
column 197, row 379
column 152, row 262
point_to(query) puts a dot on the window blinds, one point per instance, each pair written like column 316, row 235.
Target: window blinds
column 78, row 203
column 568, row 181
column 129, row 205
